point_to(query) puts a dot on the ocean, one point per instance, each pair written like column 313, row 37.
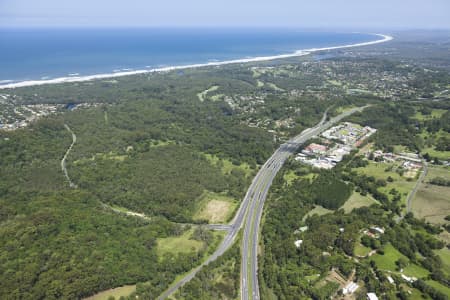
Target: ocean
column 46, row 54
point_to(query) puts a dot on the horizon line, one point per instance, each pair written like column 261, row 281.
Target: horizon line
column 331, row 28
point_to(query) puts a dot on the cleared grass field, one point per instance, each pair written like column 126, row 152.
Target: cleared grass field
column 438, row 171
column 432, row 202
column 178, row 244
column 361, row 250
column 442, row 155
column 391, row 255
column 201, row 96
column 379, row 171
column 444, row 254
column 357, row 200
column 259, row 83
column 317, row 210
column 116, row 293
column 274, row 87
column 415, row 294
column 439, row 286
column 387, row 261
column 215, row 208
column 435, row 113
column 416, row 271
column 430, row 147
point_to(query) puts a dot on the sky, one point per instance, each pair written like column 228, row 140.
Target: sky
column 395, row 14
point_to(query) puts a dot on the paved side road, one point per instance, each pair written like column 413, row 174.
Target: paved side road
column 254, row 198
column 63, row 160
column 416, row 186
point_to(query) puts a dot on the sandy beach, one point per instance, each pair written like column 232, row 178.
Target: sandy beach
column 125, row 72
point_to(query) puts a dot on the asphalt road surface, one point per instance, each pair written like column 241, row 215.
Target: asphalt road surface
column 63, row 160
column 258, row 193
column 253, row 203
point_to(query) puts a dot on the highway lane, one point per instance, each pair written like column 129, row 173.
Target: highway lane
column 228, row 241
column 249, row 263
column 254, row 199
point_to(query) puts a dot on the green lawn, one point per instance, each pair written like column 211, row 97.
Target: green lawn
column 435, row 113
column 415, row 293
column 378, row 170
column 357, row 200
column 430, row 142
column 415, row 271
column 387, row 261
column 439, row 286
column 178, row 244
column 391, row 255
column 442, row 155
column 444, row 254
column 318, row 210
column 361, row 250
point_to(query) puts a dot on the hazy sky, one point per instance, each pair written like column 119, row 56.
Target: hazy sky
column 176, row 13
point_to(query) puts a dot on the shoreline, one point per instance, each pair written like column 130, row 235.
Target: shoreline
column 297, row 53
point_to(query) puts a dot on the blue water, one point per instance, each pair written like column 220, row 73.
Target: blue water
column 30, row 54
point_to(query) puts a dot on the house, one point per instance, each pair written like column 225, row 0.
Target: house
column 350, row 288
column 391, row 281
column 409, row 279
column 377, row 229
column 298, row 243
column 303, row 229
column 372, row 296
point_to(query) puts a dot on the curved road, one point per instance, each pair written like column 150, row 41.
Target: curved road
column 63, row 160
column 253, row 202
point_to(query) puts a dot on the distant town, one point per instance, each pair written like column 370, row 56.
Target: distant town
column 337, row 142
column 14, row 115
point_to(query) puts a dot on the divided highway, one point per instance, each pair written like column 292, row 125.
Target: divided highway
column 250, row 212
column 258, row 193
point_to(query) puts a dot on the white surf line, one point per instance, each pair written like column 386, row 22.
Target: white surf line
column 63, row 161
column 384, row 38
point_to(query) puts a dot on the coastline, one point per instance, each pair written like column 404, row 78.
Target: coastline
column 384, row 38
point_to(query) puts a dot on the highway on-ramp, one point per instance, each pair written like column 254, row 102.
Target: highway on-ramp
column 250, row 212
